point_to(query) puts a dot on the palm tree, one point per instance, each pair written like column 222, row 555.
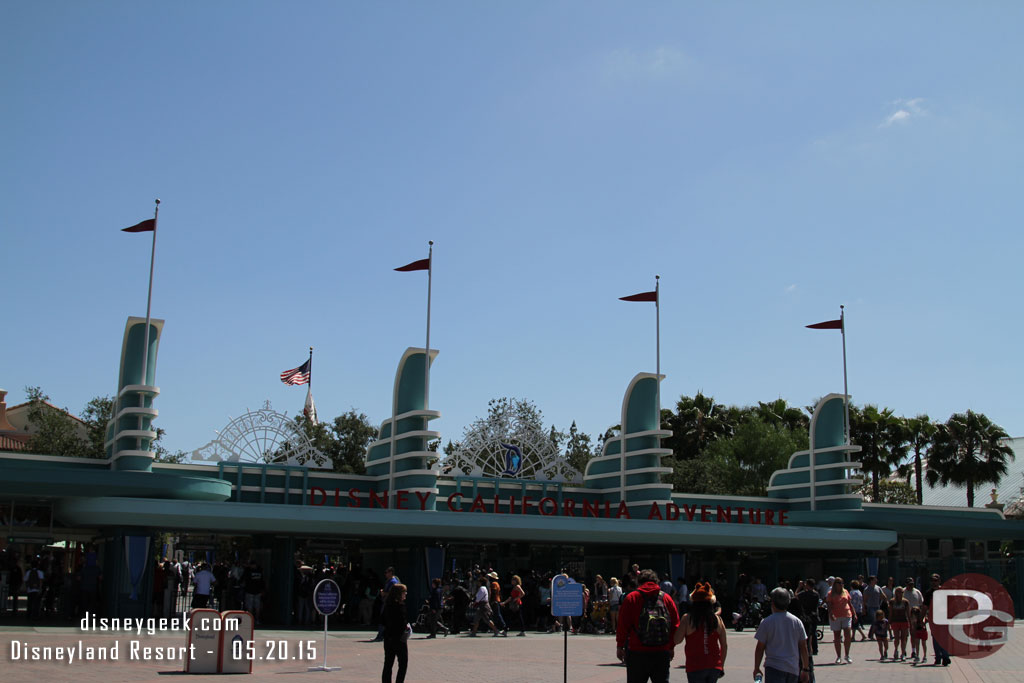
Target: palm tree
column 921, row 432
column 882, row 437
column 778, row 412
column 698, row 421
column 968, row 450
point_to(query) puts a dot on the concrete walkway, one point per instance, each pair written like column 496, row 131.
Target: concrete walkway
column 536, row 657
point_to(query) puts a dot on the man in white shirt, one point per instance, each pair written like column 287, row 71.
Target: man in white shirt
column 481, row 601
column 782, row 638
column 913, row 596
column 203, row 581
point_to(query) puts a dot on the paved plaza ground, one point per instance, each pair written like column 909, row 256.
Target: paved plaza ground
column 536, row 657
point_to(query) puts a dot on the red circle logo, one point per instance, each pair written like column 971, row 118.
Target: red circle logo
column 970, row 615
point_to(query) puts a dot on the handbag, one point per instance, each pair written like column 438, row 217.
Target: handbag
column 407, row 633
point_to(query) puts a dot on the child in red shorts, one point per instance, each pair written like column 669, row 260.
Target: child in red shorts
column 919, row 633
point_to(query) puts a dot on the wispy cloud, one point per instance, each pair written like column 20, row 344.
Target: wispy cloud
column 791, row 289
column 659, row 63
column 905, row 111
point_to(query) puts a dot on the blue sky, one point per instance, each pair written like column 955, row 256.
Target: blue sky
column 770, row 161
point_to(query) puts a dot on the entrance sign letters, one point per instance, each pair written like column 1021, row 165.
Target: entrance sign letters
column 550, row 507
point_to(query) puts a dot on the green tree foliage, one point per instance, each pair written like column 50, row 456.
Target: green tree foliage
column 161, row 454
column 921, row 431
column 516, row 421
column 344, row 440
column 891, row 491
column 578, row 449
column 55, row 432
column 97, row 414
column 740, row 464
column 513, row 419
column 697, row 422
column 968, row 450
column 778, row 412
column 883, row 438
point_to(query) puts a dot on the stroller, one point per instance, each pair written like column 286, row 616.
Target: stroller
column 422, row 623
column 599, row 613
column 749, row 615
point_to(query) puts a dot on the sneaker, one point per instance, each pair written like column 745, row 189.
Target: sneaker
column 882, row 658
column 521, row 634
column 430, row 636
column 913, row 655
column 847, row 659
column 839, row 660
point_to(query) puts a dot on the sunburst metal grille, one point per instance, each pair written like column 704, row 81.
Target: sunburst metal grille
column 261, row 436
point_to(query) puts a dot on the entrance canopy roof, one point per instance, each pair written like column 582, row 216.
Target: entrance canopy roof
column 374, row 523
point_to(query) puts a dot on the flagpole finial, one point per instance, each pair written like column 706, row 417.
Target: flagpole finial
column 158, row 202
column 430, row 242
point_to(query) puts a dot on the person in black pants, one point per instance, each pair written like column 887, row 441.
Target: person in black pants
column 807, row 598
column 436, row 605
column 394, row 619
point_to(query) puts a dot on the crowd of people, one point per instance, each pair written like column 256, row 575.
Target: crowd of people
column 180, row 585
column 651, row 618
column 55, row 584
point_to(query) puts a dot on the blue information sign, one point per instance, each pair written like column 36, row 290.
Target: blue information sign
column 327, row 597
column 566, row 597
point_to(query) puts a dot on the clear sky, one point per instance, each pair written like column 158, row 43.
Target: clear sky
column 770, row 161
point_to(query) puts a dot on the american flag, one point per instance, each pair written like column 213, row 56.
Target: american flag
column 299, row 375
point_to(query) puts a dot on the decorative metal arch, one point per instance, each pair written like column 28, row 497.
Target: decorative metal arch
column 262, row 436
column 528, row 455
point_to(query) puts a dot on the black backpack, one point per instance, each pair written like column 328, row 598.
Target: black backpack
column 653, row 626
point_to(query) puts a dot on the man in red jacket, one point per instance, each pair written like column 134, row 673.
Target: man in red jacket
column 644, row 639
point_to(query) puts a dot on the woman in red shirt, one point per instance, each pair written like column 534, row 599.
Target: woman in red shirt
column 840, row 615
column 704, row 633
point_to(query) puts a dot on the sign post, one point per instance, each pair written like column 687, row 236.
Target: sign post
column 327, row 600
column 566, row 601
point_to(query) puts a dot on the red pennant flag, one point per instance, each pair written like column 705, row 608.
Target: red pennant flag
column 828, row 325
column 148, row 225
column 422, row 264
column 642, row 296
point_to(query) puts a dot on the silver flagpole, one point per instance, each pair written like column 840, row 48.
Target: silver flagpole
column 426, row 360
column 657, row 343
column 846, row 390
column 145, row 342
column 149, row 298
column 309, row 388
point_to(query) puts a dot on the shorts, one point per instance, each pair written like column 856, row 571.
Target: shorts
column 921, row 634
column 841, row 623
column 899, row 627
